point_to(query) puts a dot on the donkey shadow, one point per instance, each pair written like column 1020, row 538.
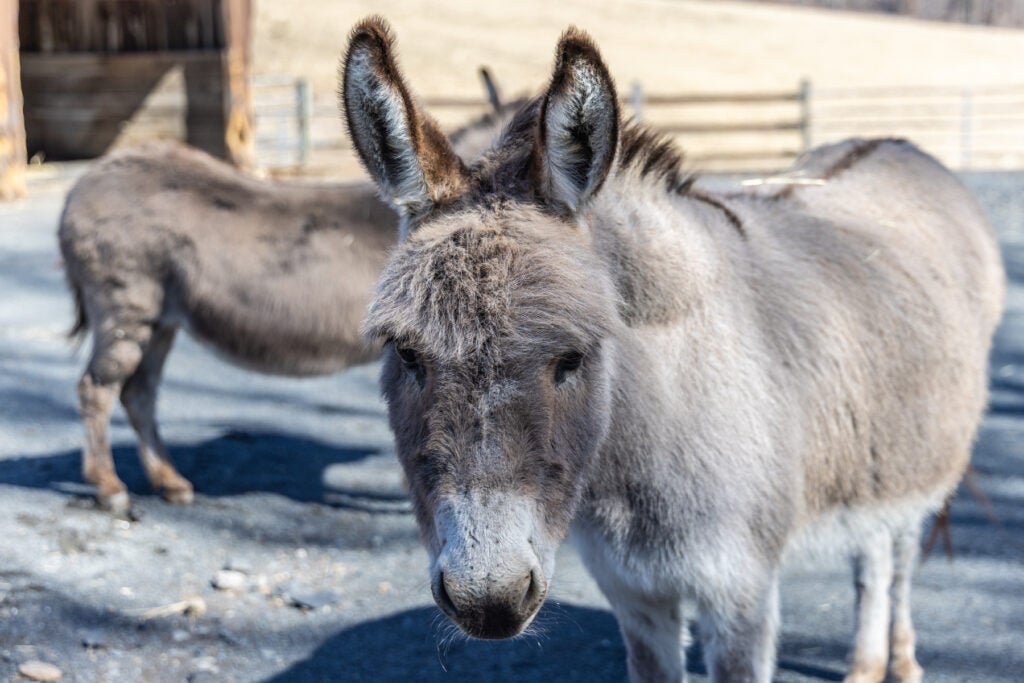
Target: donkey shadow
column 574, row 644
column 232, row 464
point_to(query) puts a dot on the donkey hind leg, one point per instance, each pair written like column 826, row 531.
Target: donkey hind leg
column 903, row 666
column 740, row 647
column 115, row 356
column 873, row 575
column 139, row 399
column 656, row 637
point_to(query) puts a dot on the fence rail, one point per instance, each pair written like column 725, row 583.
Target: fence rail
column 967, row 127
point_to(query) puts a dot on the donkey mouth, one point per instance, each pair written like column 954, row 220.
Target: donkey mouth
column 493, row 623
column 491, row 618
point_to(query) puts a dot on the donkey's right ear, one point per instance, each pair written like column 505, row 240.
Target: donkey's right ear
column 402, row 149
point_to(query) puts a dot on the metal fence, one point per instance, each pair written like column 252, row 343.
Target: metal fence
column 966, row 128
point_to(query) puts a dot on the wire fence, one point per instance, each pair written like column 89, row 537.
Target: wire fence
column 966, row 127
column 978, row 128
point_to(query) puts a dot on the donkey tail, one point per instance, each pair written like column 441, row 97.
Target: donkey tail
column 81, row 325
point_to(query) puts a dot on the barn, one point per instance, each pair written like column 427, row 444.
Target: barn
column 79, row 77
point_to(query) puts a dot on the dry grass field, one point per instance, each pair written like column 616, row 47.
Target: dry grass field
column 670, row 46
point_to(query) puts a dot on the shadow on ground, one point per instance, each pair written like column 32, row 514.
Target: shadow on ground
column 576, row 644
column 232, row 464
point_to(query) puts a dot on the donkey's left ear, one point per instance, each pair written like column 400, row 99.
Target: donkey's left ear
column 579, row 125
column 402, row 148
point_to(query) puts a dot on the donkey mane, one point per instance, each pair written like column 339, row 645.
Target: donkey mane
column 644, row 152
column 486, row 122
column 647, row 152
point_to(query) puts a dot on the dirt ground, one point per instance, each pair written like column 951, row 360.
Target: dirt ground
column 299, row 560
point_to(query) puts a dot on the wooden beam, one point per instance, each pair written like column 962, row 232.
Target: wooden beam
column 12, row 122
column 239, row 134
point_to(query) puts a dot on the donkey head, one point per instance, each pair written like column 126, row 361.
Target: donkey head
column 497, row 314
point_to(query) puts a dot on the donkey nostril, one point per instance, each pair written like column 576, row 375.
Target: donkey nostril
column 444, row 601
column 533, row 591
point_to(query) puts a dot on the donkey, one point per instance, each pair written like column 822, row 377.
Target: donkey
column 274, row 277
column 579, row 343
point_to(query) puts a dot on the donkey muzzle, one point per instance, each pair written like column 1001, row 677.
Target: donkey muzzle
column 489, row 576
column 487, row 608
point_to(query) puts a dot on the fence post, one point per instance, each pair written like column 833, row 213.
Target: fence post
column 636, row 100
column 966, row 127
column 805, row 114
column 303, row 117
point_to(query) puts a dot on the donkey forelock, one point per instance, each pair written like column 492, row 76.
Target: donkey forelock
column 474, row 280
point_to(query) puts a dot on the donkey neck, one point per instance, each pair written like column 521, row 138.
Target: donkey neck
column 665, row 249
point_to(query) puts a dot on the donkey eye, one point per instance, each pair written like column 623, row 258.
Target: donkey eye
column 408, row 357
column 566, row 365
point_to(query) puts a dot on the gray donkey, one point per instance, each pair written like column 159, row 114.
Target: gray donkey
column 579, row 343
column 275, row 277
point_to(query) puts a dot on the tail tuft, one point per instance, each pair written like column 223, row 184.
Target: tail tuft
column 81, row 325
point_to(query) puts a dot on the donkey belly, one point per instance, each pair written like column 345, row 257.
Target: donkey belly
column 311, row 341
column 266, row 356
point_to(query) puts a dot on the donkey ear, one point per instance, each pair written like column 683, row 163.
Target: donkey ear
column 579, row 125
column 402, row 148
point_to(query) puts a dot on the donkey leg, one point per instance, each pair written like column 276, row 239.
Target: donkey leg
column 903, row 666
column 873, row 571
column 656, row 638
column 739, row 647
column 95, row 402
column 139, row 399
column 114, row 358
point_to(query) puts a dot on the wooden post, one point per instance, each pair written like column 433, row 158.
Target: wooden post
column 12, row 121
column 239, row 137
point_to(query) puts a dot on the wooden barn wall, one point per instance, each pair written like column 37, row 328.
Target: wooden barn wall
column 49, row 26
column 82, row 105
column 98, row 74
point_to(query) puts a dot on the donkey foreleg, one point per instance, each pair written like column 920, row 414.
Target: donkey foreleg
column 903, row 666
column 739, row 642
column 656, row 636
column 873, row 575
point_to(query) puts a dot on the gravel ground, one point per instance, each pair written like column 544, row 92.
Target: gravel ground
column 301, row 520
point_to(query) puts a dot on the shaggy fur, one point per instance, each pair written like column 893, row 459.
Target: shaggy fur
column 685, row 384
column 274, row 277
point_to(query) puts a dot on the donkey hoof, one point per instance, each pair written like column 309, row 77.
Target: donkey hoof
column 906, row 672
column 866, row 674
column 116, row 503
column 182, row 495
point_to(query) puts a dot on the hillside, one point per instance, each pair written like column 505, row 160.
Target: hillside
column 667, row 44
column 670, row 46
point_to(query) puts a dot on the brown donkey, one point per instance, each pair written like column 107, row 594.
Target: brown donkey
column 275, row 277
column 581, row 344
